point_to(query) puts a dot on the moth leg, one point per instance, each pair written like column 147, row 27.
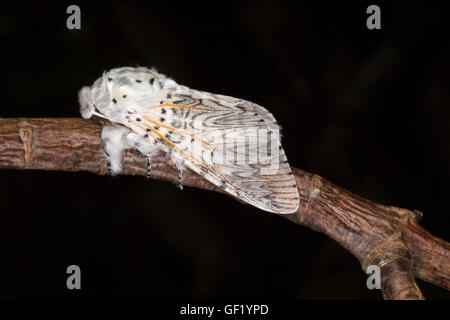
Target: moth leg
column 114, row 143
column 145, row 145
column 180, row 175
column 149, row 167
column 179, row 162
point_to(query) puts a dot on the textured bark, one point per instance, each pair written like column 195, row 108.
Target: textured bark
column 380, row 235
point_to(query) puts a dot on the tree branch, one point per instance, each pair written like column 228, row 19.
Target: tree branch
column 386, row 236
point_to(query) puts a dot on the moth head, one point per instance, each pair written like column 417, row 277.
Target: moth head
column 86, row 103
column 95, row 101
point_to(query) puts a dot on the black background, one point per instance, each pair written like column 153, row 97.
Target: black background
column 366, row 109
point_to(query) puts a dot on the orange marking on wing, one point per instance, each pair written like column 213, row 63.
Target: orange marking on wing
column 217, row 173
column 213, row 172
column 169, row 142
column 167, row 104
column 173, row 145
column 175, row 129
column 166, row 140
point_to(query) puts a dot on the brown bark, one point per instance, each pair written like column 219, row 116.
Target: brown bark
column 386, row 236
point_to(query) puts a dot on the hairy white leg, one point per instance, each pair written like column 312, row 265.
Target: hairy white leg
column 146, row 146
column 179, row 162
column 117, row 139
column 114, row 143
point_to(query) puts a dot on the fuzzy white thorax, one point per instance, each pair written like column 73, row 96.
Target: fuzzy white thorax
column 119, row 88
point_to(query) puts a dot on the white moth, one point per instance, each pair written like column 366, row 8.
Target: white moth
column 233, row 143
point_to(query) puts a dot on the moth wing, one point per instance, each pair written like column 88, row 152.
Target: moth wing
column 233, row 143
